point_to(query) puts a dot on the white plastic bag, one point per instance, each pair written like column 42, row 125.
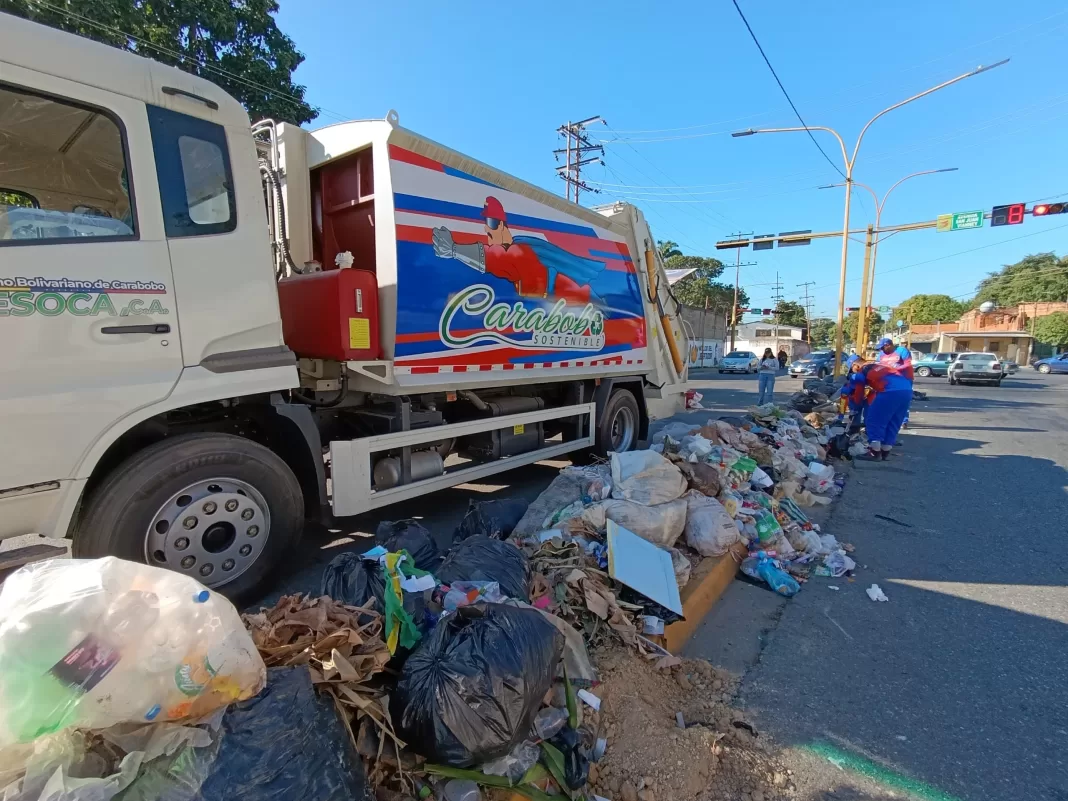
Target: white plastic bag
column 710, row 530
column 645, row 477
column 661, row 524
column 682, row 567
column 821, row 471
column 696, row 445
column 674, row 430
column 92, row 643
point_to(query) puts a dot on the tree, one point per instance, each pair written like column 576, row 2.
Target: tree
column 700, row 285
column 1052, row 329
column 789, row 312
column 233, row 43
column 668, row 249
column 821, row 332
column 1034, row 279
column 875, row 320
column 928, row 309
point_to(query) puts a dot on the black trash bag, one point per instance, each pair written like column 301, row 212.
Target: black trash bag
column 838, row 447
column 410, row 536
column 576, row 764
column 481, row 558
column 287, row 742
column 469, row 692
column 649, row 606
column 351, row 579
column 496, row 518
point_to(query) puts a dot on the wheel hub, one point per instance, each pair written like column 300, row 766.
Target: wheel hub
column 623, row 430
column 212, row 530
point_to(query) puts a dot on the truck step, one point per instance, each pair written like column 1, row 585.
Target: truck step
column 12, row 560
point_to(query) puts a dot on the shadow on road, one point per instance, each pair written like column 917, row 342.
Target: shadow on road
column 958, row 683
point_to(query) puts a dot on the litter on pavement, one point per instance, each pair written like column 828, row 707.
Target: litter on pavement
column 443, row 674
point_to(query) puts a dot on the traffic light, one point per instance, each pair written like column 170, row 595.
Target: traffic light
column 1045, row 209
column 1011, row 214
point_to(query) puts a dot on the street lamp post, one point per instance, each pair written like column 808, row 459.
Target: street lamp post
column 849, row 163
column 867, row 295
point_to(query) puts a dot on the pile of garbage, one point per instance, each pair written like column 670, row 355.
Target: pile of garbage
column 410, row 673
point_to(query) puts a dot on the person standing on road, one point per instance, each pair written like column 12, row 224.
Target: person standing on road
column 887, row 407
column 769, row 366
column 898, row 358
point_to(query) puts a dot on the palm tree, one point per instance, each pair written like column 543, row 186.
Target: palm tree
column 668, row 249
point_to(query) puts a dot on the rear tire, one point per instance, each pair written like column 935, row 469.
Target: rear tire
column 139, row 511
column 951, row 381
column 620, row 424
column 924, row 372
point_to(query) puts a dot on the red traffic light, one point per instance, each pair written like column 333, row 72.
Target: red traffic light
column 1044, row 209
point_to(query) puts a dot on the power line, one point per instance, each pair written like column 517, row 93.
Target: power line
column 578, row 145
column 182, row 57
column 786, row 94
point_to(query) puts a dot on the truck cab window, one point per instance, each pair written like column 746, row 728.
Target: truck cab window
column 62, row 171
column 193, row 166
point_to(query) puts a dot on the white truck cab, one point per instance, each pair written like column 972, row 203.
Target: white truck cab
column 150, row 404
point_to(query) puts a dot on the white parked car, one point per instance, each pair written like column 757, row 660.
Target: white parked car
column 976, row 367
column 740, row 361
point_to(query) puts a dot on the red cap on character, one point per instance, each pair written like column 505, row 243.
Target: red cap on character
column 494, row 209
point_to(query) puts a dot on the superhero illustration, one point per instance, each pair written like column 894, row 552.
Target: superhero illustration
column 537, row 268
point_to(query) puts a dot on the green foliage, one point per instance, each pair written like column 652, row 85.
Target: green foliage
column 788, row 312
column 701, row 284
column 821, row 332
column 233, row 43
column 928, row 309
column 1040, row 277
column 875, row 322
column 17, row 199
column 1052, row 329
column 667, row 248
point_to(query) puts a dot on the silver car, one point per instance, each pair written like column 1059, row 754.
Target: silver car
column 976, row 367
column 740, row 361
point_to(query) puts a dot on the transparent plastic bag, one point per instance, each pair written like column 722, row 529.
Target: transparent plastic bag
column 92, row 643
column 645, row 477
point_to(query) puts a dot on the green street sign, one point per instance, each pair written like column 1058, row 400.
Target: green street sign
column 959, row 221
column 884, row 310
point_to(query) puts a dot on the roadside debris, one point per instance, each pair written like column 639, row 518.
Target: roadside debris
column 529, row 659
column 876, row 593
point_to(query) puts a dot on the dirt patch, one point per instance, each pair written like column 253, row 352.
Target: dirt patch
column 649, row 758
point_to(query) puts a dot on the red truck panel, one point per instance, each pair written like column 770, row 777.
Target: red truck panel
column 331, row 315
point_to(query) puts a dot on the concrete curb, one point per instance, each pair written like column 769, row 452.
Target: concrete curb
column 705, row 587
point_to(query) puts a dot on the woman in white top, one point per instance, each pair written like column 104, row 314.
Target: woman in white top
column 769, row 366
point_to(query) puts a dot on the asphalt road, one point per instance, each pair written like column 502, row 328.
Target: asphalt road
column 957, row 688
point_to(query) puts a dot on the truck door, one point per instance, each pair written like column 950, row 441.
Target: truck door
column 88, row 322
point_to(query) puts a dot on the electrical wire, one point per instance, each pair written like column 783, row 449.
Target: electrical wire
column 786, row 94
column 182, row 57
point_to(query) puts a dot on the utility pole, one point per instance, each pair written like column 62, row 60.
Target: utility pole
column 808, row 310
column 862, row 320
column 776, row 295
column 578, row 145
column 737, row 273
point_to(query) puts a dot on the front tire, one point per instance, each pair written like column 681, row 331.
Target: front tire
column 924, row 372
column 218, row 508
column 1045, row 369
column 620, row 423
column 951, row 381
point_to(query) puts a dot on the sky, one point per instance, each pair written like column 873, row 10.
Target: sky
column 496, row 81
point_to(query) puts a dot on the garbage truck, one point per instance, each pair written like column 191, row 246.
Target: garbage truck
column 214, row 331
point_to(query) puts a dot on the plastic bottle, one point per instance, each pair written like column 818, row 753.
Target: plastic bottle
column 61, row 665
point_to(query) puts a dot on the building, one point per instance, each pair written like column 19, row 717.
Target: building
column 1002, row 331
column 757, row 336
column 706, row 336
